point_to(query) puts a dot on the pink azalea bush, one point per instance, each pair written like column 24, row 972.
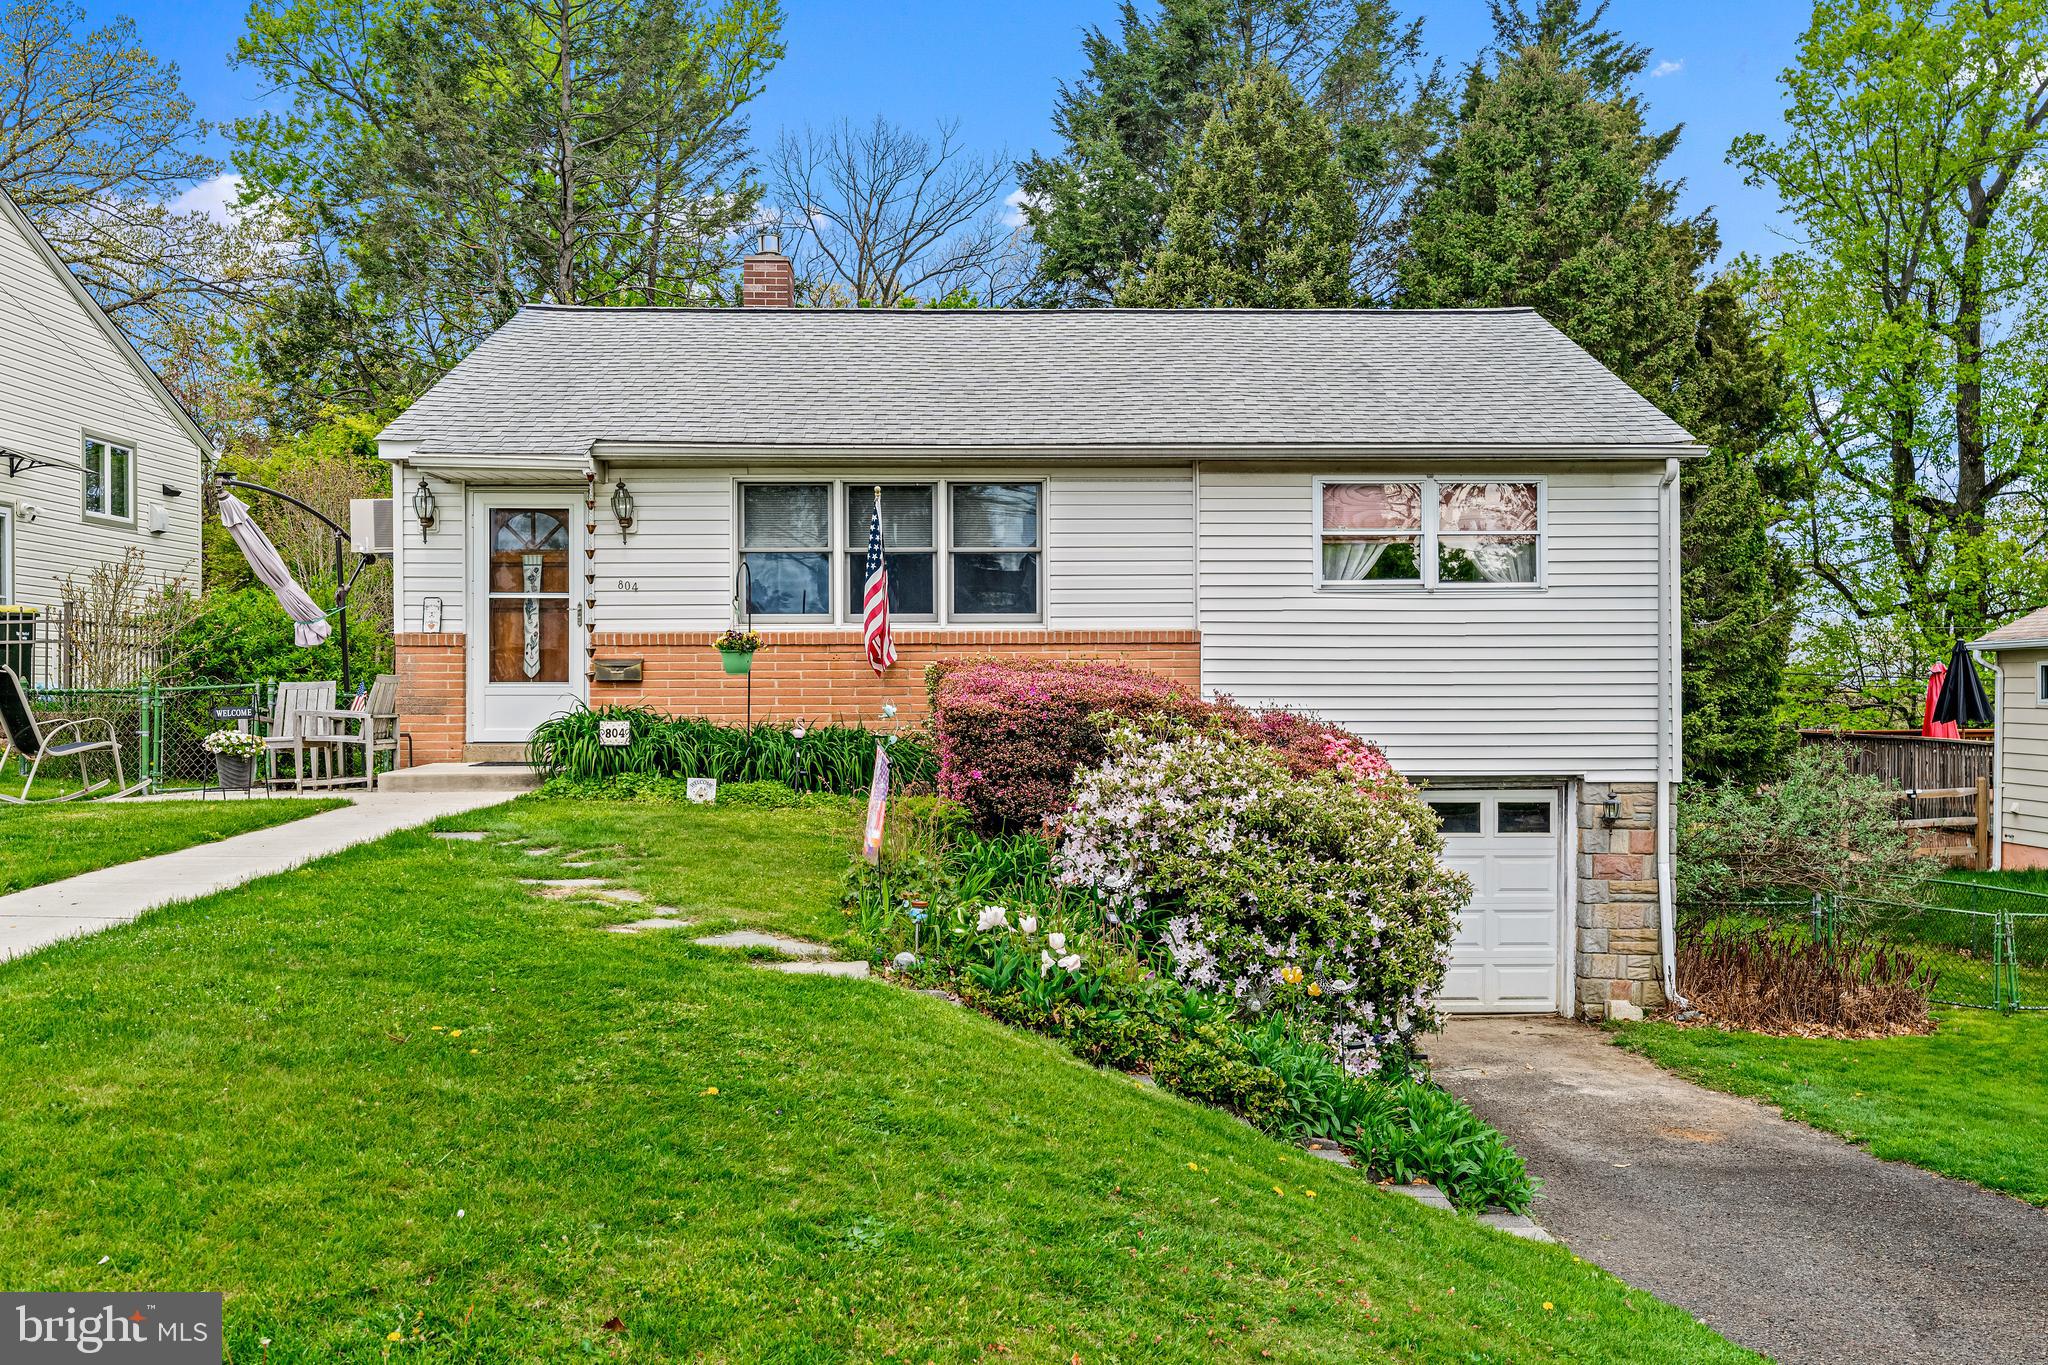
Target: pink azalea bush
column 1011, row 734
column 1316, row 895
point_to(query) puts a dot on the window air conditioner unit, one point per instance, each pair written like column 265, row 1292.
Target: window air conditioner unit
column 370, row 523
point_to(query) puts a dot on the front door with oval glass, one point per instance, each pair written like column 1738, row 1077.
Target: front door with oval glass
column 526, row 638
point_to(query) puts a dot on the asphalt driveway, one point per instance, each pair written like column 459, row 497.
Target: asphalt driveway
column 1785, row 1239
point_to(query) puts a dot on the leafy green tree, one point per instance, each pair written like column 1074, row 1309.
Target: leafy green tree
column 1097, row 208
column 1258, row 215
column 1549, row 195
column 446, row 164
column 1912, row 316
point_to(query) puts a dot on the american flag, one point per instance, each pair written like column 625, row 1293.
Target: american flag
column 875, row 598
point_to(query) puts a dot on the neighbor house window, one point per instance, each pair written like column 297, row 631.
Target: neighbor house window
column 1430, row 532
column 2041, row 684
column 109, row 479
column 786, row 544
column 994, row 550
column 909, row 541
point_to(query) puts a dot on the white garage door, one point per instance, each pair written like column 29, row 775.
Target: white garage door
column 1504, row 959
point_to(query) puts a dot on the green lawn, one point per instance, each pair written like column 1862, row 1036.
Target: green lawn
column 396, row 1093
column 1969, row 1100
column 48, row 843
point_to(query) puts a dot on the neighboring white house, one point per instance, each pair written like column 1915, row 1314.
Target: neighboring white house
column 1452, row 531
column 2019, row 776
column 96, row 457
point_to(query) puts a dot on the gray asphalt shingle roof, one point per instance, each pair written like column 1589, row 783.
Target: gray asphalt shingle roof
column 557, row 380
column 2031, row 629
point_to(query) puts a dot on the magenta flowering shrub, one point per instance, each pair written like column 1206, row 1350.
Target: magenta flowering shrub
column 1317, row 896
column 1307, row 745
column 1011, row 734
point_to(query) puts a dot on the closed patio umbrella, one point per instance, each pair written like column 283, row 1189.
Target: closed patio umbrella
column 1930, row 728
column 267, row 564
column 1962, row 698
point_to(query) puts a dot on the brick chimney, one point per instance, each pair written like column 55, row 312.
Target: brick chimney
column 767, row 279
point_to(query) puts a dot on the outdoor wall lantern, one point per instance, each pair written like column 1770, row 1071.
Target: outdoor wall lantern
column 1610, row 809
column 423, row 506
column 622, row 507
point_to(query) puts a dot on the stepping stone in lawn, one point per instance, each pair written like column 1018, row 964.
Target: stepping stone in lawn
column 849, row 969
column 467, row 836
column 1325, row 1152
column 751, row 938
column 584, row 888
column 536, row 852
column 639, row 925
column 1422, row 1194
column 565, row 883
column 1517, row 1225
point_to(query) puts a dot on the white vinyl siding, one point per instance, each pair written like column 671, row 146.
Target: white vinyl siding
column 65, row 381
column 1553, row 681
column 1118, row 546
column 431, row 561
column 2023, row 739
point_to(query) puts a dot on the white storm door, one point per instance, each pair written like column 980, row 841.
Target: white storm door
column 1504, row 955
column 526, row 638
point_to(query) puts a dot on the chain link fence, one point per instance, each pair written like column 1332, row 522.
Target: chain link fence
column 1985, row 945
column 161, row 730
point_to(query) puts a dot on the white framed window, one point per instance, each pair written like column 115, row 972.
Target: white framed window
column 109, row 480
column 2041, row 684
column 910, row 543
column 995, row 563
column 786, row 545
column 959, row 550
column 1428, row 532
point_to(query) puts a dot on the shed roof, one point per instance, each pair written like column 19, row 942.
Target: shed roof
column 2028, row 632
column 560, row 380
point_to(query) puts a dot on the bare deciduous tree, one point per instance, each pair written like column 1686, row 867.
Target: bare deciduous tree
column 879, row 216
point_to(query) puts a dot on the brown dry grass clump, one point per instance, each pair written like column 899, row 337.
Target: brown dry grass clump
column 1781, row 981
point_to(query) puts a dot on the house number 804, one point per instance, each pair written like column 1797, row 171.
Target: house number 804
column 628, row 585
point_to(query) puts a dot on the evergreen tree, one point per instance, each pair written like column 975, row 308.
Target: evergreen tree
column 1098, row 206
column 1549, row 195
column 1258, row 215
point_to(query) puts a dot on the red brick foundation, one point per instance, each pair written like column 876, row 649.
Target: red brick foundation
column 430, row 692
column 797, row 675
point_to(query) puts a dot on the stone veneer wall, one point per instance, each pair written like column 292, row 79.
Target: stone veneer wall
column 1618, row 950
column 798, row 675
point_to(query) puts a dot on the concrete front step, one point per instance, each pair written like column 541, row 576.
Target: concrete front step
column 461, row 777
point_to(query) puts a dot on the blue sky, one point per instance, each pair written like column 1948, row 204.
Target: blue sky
column 995, row 67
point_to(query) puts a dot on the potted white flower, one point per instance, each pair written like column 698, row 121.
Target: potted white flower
column 234, row 758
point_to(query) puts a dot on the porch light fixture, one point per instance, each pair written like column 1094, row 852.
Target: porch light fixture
column 622, row 507
column 1610, row 809
column 423, row 505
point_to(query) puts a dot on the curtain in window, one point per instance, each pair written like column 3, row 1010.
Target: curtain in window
column 1487, row 532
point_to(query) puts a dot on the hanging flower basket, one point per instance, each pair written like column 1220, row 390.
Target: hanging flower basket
column 737, row 647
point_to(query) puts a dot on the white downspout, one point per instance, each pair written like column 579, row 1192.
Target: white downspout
column 1668, row 700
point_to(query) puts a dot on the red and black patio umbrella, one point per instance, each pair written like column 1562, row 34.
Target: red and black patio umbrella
column 1962, row 698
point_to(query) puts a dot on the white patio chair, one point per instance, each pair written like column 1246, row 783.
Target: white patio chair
column 298, row 725
column 27, row 739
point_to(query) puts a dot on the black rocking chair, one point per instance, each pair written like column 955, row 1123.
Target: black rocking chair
column 24, row 738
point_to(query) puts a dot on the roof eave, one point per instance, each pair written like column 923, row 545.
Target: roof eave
column 1165, row 450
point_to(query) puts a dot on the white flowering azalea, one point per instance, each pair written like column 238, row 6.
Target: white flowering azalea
column 993, row 917
column 1057, row 942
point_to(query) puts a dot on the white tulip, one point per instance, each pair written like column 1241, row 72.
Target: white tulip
column 1058, row 942
column 1044, row 963
column 1029, row 924
column 1071, row 962
column 994, row 917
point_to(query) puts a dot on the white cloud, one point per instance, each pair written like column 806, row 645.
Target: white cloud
column 1668, row 68
column 1013, row 208
column 215, row 198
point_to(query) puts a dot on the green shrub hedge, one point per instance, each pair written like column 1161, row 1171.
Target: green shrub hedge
column 817, row 758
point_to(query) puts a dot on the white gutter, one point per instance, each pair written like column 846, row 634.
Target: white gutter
column 1667, row 723
column 1996, row 815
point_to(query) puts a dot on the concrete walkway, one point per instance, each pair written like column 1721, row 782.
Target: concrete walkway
column 1785, row 1239
column 90, row 902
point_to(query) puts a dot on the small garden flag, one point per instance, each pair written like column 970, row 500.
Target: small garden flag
column 878, row 807
column 875, row 618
